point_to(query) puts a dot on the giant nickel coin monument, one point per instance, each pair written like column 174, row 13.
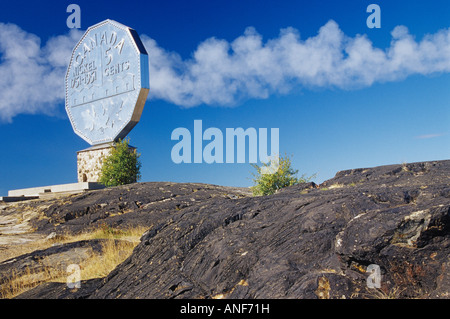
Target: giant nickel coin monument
column 107, row 84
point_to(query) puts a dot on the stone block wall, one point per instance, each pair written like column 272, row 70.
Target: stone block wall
column 90, row 161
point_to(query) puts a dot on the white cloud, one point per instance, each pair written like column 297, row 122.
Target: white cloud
column 224, row 73
column 428, row 136
column 32, row 77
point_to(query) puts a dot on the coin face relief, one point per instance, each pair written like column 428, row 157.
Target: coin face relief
column 107, row 82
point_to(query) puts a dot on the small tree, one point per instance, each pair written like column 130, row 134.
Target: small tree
column 268, row 183
column 122, row 166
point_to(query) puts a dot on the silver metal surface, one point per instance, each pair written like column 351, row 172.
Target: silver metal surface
column 107, row 82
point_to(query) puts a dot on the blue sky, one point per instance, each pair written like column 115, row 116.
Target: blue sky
column 342, row 95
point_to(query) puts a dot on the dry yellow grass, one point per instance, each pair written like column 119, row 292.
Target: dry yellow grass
column 98, row 265
column 22, row 282
column 114, row 253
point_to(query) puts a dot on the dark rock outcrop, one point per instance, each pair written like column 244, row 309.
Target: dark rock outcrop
column 58, row 290
column 306, row 241
column 127, row 206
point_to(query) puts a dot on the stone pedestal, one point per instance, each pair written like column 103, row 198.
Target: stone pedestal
column 90, row 161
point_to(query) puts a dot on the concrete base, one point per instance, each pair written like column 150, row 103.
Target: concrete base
column 53, row 189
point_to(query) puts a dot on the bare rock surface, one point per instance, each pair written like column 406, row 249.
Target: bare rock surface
column 306, row 241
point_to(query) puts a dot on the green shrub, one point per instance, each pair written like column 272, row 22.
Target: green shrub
column 269, row 183
column 122, row 166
